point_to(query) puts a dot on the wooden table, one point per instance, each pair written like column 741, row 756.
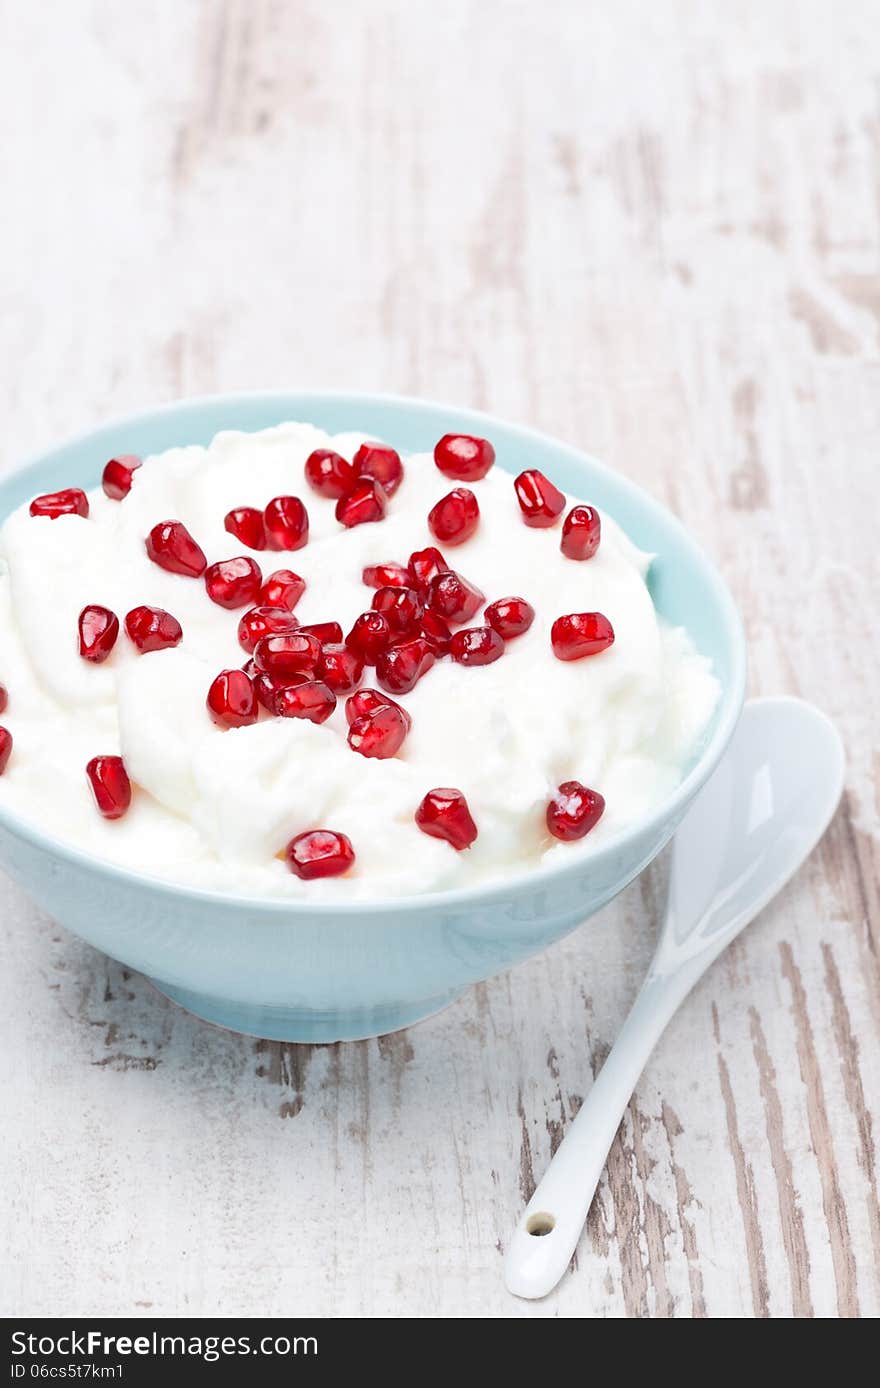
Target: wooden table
column 651, row 230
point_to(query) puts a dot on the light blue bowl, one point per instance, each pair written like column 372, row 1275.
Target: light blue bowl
column 297, row 972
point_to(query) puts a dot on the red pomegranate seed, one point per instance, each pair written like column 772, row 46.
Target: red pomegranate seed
column 117, row 476
column 574, row 811
column 98, row 630
column 378, row 734
column 454, row 599
column 380, row 462
column 312, row 699
column 581, row 533
column 283, row 588
column 110, row 785
column 268, row 687
column 437, row 634
column 330, row 632
column 4, row 698
column 540, row 502
column 426, row 564
column 287, row 523
column 153, row 629
column 366, row 702
column 233, row 582
column 580, row 634
column 329, row 474
column 369, row 636
column 288, row 653
column 232, row 701
column 70, row 502
column 340, row 668
column 386, row 576
column 401, row 607
column 476, row 646
column 264, row 621
column 5, row 749
column 464, row 457
column 455, row 518
column 320, row 853
column 246, row 524
column 444, row 814
column 170, row 545
column 366, row 502
column 510, row 617
column 400, row 668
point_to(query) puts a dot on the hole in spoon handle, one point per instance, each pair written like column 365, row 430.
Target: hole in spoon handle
column 540, row 1224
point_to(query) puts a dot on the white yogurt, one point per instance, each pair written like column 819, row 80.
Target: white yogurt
column 215, row 808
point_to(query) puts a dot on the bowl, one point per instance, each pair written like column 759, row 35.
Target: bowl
column 292, row 971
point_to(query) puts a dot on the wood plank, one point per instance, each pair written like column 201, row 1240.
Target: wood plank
column 651, row 230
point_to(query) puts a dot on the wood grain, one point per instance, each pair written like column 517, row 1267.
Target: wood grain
column 648, row 229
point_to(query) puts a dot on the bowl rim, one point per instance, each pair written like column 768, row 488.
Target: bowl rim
column 732, row 695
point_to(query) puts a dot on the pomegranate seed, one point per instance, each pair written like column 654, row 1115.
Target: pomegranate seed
column 320, row 853
column 288, row 653
column 170, row 545
column 437, row 634
column 444, row 814
column 98, row 630
column 369, row 636
column 574, row 811
column 455, row 518
column 366, row 502
column 510, row 617
column 329, row 474
column 367, row 701
column 264, row 621
column 4, row 698
column 153, row 629
column 70, row 502
column 232, row 702
column 476, row 646
column 581, row 532
column 380, row 462
column 540, row 502
column 340, row 668
column 426, row 564
column 5, row 749
column 287, row 523
column 325, row 631
column 268, row 687
column 246, row 524
column 380, row 733
column 400, row 668
column 233, row 582
column 401, row 607
column 118, row 474
column 283, row 588
column 386, row 576
column 454, row 599
column 110, row 785
column 312, row 700
column 580, row 634
column 464, row 457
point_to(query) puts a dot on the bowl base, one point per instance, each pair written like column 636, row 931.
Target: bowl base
column 296, row 1024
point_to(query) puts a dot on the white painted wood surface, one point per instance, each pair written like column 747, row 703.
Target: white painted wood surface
column 649, row 229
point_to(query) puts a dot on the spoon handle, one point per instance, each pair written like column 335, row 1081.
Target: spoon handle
column 551, row 1224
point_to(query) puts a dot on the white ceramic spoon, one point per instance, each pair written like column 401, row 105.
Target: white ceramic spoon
column 748, row 830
